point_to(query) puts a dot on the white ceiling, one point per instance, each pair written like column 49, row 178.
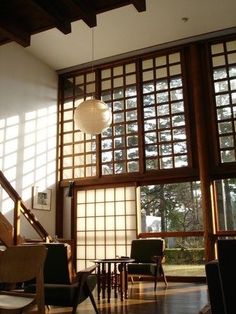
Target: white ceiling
column 123, row 30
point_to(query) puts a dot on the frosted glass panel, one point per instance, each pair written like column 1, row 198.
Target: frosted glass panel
column 130, row 193
column 110, row 237
column 90, row 223
column 81, row 238
column 100, row 239
column 80, row 252
column 81, row 210
column 120, row 194
column 100, row 223
column 130, row 222
column 99, row 209
column 130, row 207
column 81, row 197
column 109, row 195
column 81, row 223
column 90, row 196
column 110, row 251
column 100, row 195
column 90, row 210
column 106, row 223
column 120, row 208
column 90, row 254
column 90, row 236
column 121, row 251
column 120, row 222
column 110, row 223
column 110, row 208
column 100, row 251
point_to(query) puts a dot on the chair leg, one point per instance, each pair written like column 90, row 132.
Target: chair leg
column 155, row 282
column 164, row 276
column 90, row 294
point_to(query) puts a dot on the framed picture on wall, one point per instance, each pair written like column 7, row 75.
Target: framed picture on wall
column 41, row 198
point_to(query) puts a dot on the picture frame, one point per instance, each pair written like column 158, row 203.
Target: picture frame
column 42, row 198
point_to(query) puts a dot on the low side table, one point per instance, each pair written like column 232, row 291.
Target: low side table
column 112, row 273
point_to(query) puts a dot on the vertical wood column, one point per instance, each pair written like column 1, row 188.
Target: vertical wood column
column 202, row 149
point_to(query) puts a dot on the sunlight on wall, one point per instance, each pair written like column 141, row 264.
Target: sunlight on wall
column 28, row 152
column 9, row 136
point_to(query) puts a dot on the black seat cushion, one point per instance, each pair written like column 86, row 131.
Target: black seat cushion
column 63, row 294
column 142, row 268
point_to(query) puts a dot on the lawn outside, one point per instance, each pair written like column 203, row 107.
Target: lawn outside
column 184, row 270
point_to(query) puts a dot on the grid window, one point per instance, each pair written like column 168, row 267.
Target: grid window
column 119, row 144
column 224, row 77
column 77, row 151
column 164, row 116
column 148, row 129
column 106, row 223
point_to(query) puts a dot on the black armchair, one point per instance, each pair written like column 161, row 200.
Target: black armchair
column 62, row 286
column 149, row 257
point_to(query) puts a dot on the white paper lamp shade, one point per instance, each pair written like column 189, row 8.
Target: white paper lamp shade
column 92, row 116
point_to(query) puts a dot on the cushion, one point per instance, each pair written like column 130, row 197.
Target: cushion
column 142, row 268
column 63, row 295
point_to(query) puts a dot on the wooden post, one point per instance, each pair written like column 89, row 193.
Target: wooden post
column 16, row 222
column 202, row 148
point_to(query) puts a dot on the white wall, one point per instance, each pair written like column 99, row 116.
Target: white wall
column 28, row 118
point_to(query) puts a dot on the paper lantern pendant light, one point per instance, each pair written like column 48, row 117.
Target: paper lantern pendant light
column 92, row 116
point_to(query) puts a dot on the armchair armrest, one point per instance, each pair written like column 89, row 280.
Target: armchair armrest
column 158, row 259
column 82, row 277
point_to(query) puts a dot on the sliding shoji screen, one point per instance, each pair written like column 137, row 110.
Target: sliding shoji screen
column 106, row 223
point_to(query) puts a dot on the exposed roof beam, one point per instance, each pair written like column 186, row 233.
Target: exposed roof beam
column 14, row 32
column 140, row 5
column 58, row 16
column 87, row 12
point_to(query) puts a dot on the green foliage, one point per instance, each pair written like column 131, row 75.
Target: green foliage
column 181, row 256
column 178, row 205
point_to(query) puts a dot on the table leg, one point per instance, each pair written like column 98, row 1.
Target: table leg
column 115, row 280
column 103, row 280
column 108, row 282
column 126, row 280
column 122, row 281
column 99, row 280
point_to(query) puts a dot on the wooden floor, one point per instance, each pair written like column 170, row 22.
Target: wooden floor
column 177, row 298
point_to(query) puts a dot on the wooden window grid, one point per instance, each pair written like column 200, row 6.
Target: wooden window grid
column 223, row 56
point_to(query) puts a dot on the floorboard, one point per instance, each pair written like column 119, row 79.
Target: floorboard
column 177, row 298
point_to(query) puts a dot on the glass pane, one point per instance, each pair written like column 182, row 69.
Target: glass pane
column 185, row 256
column 226, row 203
column 171, row 207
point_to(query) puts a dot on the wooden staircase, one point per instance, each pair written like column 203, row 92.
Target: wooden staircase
column 10, row 235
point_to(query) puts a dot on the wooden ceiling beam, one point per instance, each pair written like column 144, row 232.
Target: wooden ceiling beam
column 57, row 15
column 14, row 32
column 140, row 5
column 87, row 12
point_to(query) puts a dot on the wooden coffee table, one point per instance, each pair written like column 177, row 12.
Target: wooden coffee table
column 112, row 274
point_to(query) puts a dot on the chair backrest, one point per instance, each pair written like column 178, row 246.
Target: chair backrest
column 24, row 263
column 143, row 250
column 58, row 267
column 21, row 263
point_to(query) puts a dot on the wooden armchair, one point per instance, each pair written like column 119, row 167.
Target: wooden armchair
column 149, row 257
column 62, row 286
column 17, row 265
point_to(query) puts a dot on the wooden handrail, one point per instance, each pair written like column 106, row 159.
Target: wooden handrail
column 20, row 206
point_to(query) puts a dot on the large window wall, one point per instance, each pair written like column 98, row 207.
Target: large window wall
column 157, row 101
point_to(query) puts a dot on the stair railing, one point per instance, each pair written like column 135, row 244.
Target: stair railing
column 20, row 207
